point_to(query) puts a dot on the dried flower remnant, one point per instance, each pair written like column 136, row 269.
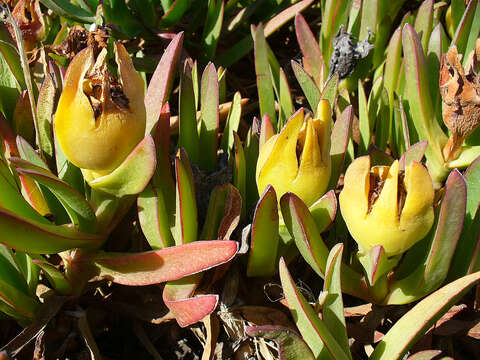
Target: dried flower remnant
column 29, row 18
column 347, row 53
column 80, row 38
column 460, row 90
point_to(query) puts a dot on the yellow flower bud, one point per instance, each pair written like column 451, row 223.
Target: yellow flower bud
column 297, row 159
column 100, row 119
column 385, row 206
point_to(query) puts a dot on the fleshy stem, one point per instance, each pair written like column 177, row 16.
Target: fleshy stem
column 6, row 16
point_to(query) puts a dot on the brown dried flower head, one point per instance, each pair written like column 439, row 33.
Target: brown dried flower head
column 29, row 18
column 460, row 90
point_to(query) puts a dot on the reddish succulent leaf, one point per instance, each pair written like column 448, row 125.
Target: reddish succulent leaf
column 425, row 355
column 162, row 81
column 167, row 264
column 469, row 243
column 266, row 130
column 290, row 345
column 312, row 55
column 231, row 213
column 186, row 309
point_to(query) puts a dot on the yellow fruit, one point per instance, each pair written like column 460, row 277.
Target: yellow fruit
column 99, row 119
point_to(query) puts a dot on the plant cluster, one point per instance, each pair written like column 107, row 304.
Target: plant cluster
column 131, row 164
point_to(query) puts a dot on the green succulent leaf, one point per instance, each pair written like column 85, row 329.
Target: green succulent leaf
column 186, row 223
column 243, row 47
column 465, row 33
column 334, row 14
column 439, row 246
column 309, row 88
column 324, row 210
column 291, row 346
column 55, row 277
column 314, row 330
column 232, row 123
column 209, row 118
column 419, row 97
column 174, row 13
column 36, row 237
column 45, row 111
column 212, row 27
column 264, row 236
column 332, row 308
column 303, row 229
column 420, row 318
column 10, row 60
column 423, row 22
column 132, row 175
column 264, row 78
column 363, row 119
column 187, row 119
column 413, row 153
column 79, row 210
column 70, row 11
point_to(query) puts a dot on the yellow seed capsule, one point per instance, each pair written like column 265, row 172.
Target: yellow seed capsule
column 384, row 206
column 298, row 158
column 100, row 119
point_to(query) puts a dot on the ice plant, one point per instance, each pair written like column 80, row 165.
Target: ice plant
column 100, row 119
column 298, row 158
column 383, row 205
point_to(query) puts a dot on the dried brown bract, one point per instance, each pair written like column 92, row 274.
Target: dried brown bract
column 80, row 38
column 460, row 90
column 29, row 18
